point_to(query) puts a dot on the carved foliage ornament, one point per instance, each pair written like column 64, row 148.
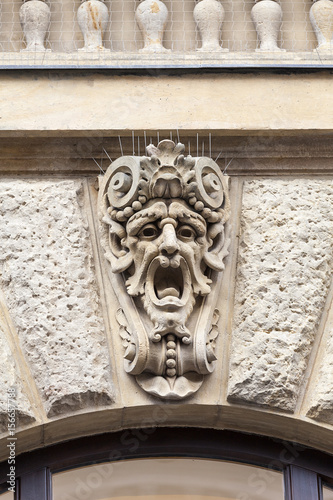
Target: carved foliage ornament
column 163, row 231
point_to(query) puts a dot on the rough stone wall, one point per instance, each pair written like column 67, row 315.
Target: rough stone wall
column 284, row 274
column 48, row 281
column 11, row 377
column 320, row 405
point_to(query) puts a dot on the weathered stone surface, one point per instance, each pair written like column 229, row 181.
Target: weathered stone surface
column 35, row 19
column 93, row 17
column 152, row 16
column 209, row 16
column 48, row 281
column 284, row 268
column 321, row 398
column 198, row 98
column 321, row 17
column 10, row 378
column 267, row 18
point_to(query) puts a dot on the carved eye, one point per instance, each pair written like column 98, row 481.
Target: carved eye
column 186, row 233
column 148, row 232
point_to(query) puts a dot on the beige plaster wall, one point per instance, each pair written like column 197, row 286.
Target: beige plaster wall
column 74, row 103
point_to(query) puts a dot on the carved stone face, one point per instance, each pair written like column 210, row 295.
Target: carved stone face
column 163, row 230
column 168, row 241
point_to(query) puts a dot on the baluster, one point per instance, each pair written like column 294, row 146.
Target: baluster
column 152, row 16
column 209, row 16
column 35, row 18
column 93, row 17
column 267, row 18
column 321, row 17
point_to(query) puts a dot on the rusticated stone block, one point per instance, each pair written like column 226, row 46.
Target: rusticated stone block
column 10, row 379
column 48, row 280
column 321, row 398
column 284, row 268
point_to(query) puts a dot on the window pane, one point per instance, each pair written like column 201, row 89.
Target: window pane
column 168, row 479
column 327, row 493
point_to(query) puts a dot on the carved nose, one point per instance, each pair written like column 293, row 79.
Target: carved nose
column 169, row 244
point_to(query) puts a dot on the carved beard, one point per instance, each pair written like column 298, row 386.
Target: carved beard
column 169, row 297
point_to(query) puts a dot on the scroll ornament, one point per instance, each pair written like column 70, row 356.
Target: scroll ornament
column 163, row 228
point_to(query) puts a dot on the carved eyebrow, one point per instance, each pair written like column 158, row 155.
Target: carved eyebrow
column 140, row 219
column 185, row 216
column 196, row 223
column 135, row 224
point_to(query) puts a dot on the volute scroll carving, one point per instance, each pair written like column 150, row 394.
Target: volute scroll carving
column 163, row 229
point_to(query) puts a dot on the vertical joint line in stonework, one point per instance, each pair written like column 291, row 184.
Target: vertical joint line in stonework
column 315, row 354
column 22, row 368
column 100, row 277
column 236, row 198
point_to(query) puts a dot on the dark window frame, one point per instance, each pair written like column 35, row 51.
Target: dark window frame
column 304, row 468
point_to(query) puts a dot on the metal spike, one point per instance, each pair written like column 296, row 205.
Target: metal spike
column 227, row 165
column 107, row 155
column 218, row 156
column 98, row 166
column 121, row 146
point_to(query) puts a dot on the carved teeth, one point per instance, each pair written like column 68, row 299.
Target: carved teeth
column 167, row 292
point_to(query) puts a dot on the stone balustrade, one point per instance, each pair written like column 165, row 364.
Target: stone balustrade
column 153, row 26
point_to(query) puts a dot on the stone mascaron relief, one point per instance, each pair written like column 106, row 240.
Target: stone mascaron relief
column 163, row 231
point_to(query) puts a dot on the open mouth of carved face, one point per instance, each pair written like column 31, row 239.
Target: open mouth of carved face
column 168, row 286
column 168, row 282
